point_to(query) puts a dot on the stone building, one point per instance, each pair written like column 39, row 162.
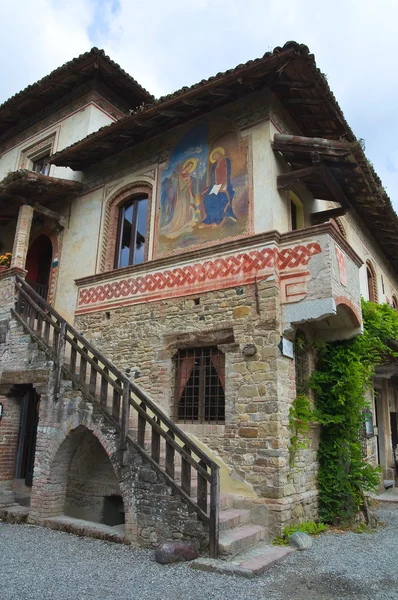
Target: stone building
column 173, row 249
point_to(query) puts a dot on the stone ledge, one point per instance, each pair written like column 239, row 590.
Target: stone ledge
column 248, row 564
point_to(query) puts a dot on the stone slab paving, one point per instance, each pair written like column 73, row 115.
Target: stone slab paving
column 248, row 564
column 42, row 564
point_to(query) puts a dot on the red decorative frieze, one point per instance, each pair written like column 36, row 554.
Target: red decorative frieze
column 217, row 273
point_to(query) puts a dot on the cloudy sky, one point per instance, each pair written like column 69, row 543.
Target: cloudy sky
column 166, row 45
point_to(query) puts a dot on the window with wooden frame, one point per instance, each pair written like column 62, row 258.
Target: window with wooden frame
column 394, row 303
column 36, row 157
column 372, row 282
column 41, row 165
column 132, row 232
column 200, row 386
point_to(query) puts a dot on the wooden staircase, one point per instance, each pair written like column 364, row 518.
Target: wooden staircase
column 233, row 524
column 125, row 407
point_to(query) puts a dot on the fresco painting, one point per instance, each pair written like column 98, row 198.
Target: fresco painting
column 205, row 190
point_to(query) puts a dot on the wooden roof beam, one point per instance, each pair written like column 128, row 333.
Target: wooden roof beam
column 287, row 180
column 299, row 85
column 50, row 214
column 333, row 186
column 325, row 215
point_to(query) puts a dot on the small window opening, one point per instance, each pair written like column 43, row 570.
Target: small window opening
column 113, row 511
column 41, row 165
column 394, row 302
column 293, row 213
column 107, row 315
column 200, row 386
column 196, row 301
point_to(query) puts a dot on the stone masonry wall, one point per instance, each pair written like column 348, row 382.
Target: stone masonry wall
column 9, row 432
column 152, row 512
column 260, row 386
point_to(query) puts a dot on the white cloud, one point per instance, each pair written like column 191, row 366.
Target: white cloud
column 166, row 45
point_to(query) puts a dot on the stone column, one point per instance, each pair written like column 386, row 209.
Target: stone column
column 22, row 235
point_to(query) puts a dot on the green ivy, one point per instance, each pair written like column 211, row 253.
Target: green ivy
column 300, row 419
column 340, row 381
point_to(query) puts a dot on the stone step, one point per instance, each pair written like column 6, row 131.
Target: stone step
column 233, row 541
column 233, row 517
column 254, row 562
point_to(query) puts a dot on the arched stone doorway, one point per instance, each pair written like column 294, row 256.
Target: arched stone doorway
column 82, row 483
column 38, row 264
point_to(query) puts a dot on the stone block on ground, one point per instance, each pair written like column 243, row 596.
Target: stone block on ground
column 175, row 551
column 300, row 540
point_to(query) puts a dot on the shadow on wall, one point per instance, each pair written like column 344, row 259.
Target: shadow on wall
column 92, row 490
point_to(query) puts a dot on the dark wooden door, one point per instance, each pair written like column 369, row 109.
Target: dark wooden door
column 27, row 437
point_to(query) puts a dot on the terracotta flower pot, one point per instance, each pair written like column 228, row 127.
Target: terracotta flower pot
column 3, row 268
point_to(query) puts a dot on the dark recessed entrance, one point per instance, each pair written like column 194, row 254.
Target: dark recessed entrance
column 27, row 436
column 38, row 265
column 113, row 511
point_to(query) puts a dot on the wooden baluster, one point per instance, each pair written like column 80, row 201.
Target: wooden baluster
column 202, row 488
column 46, row 332
column 214, row 510
column 39, row 324
column 170, row 455
column 155, row 444
column 60, row 357
column 141, row 428
column 125, row 412
column 83, row 365
column 186, row 472
column 32, row 317
column 93, row 378
column 25, row 310
column 19, row 305
column 73, row 357
column 56, row 336
column 104, row 388
column 116, row 401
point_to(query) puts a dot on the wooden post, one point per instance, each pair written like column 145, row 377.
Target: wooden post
column 60, row 359
column 214, row 510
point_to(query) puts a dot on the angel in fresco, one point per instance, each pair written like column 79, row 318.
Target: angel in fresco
column 184, row 207
column 218, row 196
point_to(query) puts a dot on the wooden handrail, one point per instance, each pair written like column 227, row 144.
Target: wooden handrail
column 39, row 318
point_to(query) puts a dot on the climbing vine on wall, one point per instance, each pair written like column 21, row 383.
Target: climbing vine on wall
column 340, row 382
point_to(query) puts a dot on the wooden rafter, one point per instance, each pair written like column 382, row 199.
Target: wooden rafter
column 287, row 180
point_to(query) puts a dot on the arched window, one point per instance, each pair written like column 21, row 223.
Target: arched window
column 132, row 232
column 372, row 282
column 296, row 212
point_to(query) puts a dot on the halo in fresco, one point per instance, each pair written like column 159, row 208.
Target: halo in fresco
column 205, row 189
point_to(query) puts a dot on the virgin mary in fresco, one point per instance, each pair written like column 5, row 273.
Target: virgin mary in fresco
column 218, row 196
column 181, row 202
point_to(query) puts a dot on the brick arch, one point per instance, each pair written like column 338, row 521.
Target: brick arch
column 50, row 489
column 111, row 218
column 354, row 312
column 56, row 242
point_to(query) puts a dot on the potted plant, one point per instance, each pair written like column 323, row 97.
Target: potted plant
column 5, row 261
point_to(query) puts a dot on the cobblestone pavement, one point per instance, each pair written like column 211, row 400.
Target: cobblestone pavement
column 36, row 563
